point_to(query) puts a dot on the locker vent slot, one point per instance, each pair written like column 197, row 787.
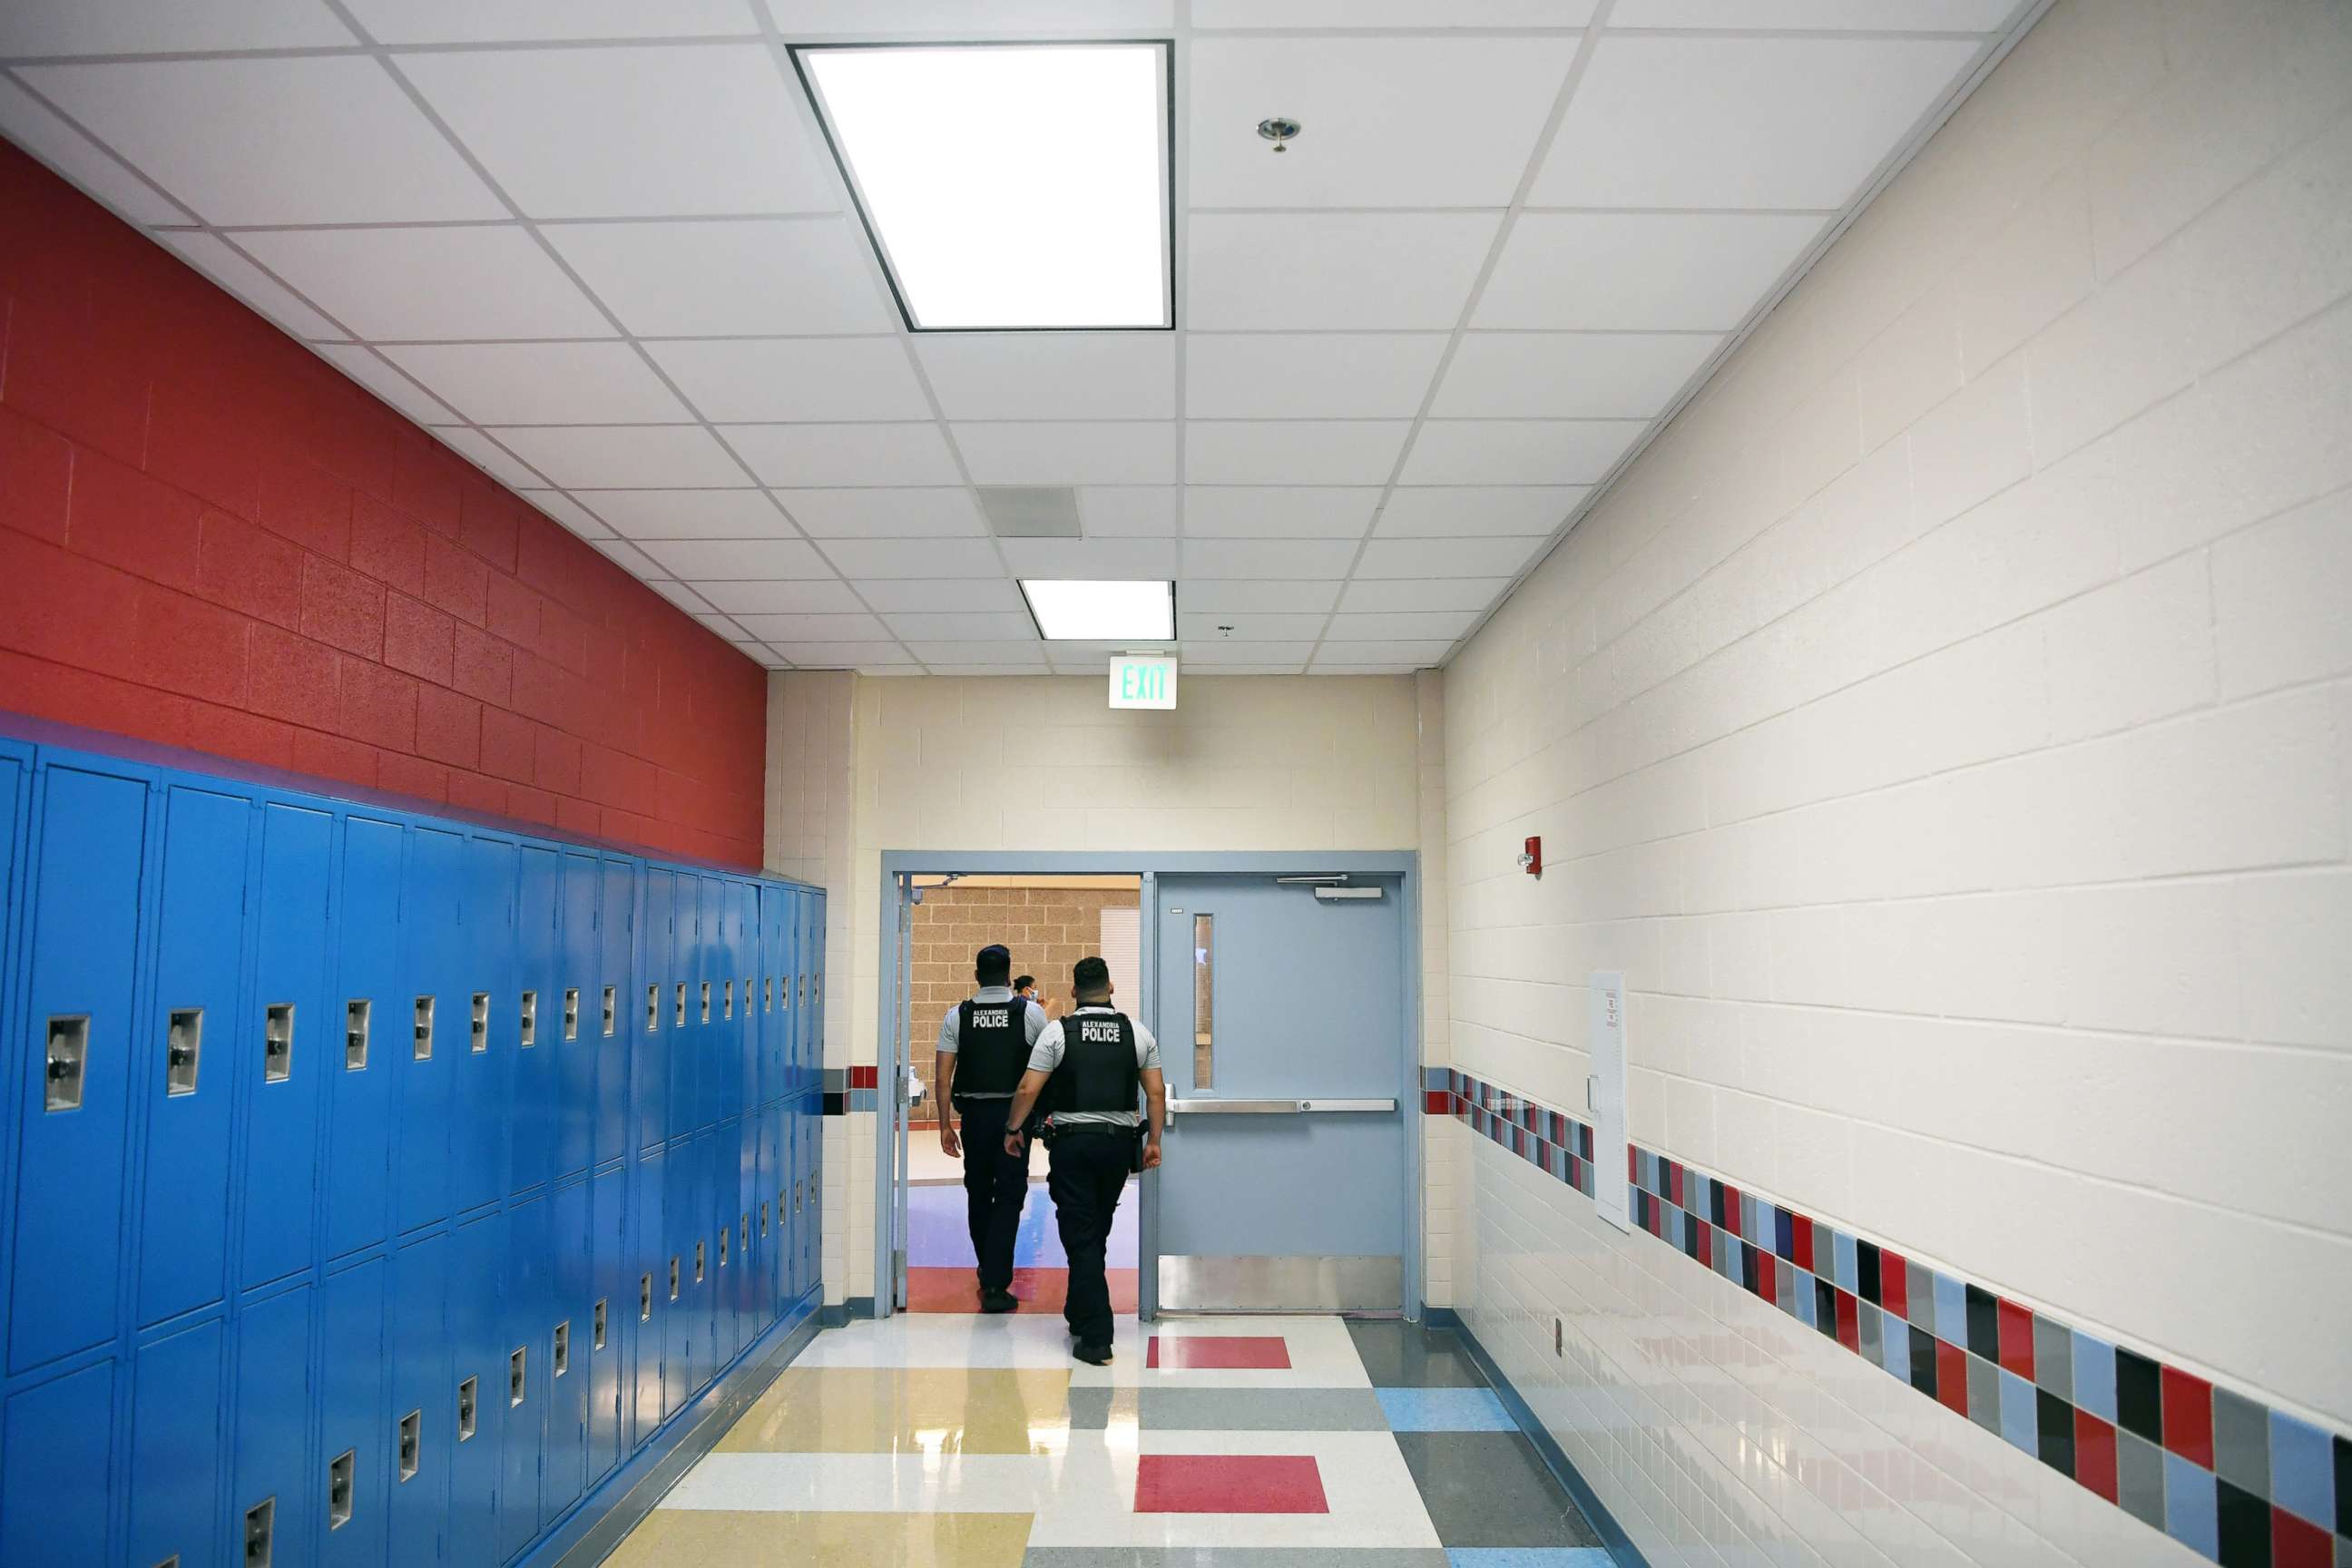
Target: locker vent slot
column 355, row 1034
column 183, row 1043
column 768, row 994
column 261, row 1525
column 742, row 1232
column 701, row 1259
column 722, row 1247
column 596, row 1327
column 610, row 1016
column 705, row 1002
column 518, row 1372
column 571, row 1013
column 469, row 1402
column 652, row 1008
column 680, row 1018
column 562, row 1347
column 423, row 1028
column 796, row 1197
column 339, row 1489
column 412, row 1439
column 763, row 1216
column 673, row 1278
column 171, row 1562
column 481, row 1025
column 529, row 1012
column 727, row 1007
column 644, row 1298
column 278, row 1043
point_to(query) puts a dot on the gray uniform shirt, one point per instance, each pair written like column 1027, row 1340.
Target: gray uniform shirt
column 1032, row 1028
column 1047, row 1054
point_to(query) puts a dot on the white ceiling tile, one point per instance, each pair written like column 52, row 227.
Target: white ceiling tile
column 1307, row 272
column 1569, row 375
column 1052, row 375
column 824, row 455
column 1741, row 122
column 974, row 625
column 1468, row 512
column 1436, row 594
column 1213, row 626
column 473, row 282
column 785, row 630
column 1640, row 271
column 1356, row 14
column 940, row 512
column 1082, row 658
column 847, row 655
column 1861, row 16
column 1284, row 656
column 679, row 593
column 213, row 257
column 1128, row 512
column 1429, row 558
column 809, row 275
column 963, row 19
column 1267, row 558
column 29, row 123
column 1518, row 451
column 1402, row 654
column 472, row 22
column 689, row 514
column 1355, row 148
column 724, row 626
column 794, row 378
column 358, row 362
column 694, row 129
column 1105, row 453
column 143, row 27
column 987, row 671
column 543, row 384
column 862, row 558
column 628, row 556
column 815, row 596
column 601, row 457
column 305, row 140
column 1245, row 594
column 993, row 591
column 1445, row 624
column 567, row 512
column 1292, row 451
column 697, row 560
column 1278, row 511
column 1097, row 560
column 991, row 653
column 1280, row 375
column 488, row 456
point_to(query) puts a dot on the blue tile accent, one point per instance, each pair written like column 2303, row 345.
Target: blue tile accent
column 2094, row 1376
column 1846, row 1270
column 1951, row 1311
column 2302, row 1476
column 1528, row 1557
column 1435, row 1078
column 1804, row 1299
column 1444, row 1410
column 1784, row 1233
column 2017, row 1428
column 1896, row 1353
column 2190, row 1512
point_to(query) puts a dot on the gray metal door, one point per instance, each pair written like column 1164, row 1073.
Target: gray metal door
column 1281, row 1020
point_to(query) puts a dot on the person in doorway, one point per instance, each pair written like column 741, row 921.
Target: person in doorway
column 984, row 1043
column 1086, row 1071
column 1025, row 986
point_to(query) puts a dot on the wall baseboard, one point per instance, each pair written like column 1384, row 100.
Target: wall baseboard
column 1620, row 1545
column 840, row 1312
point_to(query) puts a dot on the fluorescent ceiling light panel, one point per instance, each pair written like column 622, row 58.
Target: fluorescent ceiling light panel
column 1068, row 611
column 1008, row 186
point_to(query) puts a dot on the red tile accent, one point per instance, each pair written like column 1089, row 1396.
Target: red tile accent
column 1849, row 1320
column 1675, row 1194
column 2189, row 1416
column 1952, row 1377
column 1436, row 1101
column 2095, row 1454
column 1767, row 1278
column 1893, row 1283
column 1219, row 1352
column 1706, row 1244
column 2017, row 1340
column 1801, row 1232
column 865, row 1077
column 2296, row 1543
column 1228, row 1483
column 1731, row 1208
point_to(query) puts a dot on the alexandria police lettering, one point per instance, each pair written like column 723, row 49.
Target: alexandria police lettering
column 1093, row 1034
column 991, row 1018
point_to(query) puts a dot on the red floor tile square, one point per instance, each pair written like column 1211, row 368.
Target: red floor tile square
column 1219, row 1352
column 944, row 1289
column 1228, row 1483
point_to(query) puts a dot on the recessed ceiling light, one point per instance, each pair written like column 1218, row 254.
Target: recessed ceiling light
column 1068, row 611
column 1008, row 186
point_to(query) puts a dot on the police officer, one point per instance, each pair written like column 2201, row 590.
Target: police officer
column 984, row 1044
column 1086, row 1070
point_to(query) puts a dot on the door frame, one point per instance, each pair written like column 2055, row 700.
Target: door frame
column 891, row 1045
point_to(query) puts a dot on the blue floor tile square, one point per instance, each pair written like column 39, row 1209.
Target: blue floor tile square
column 1529, row 1557
column 1444, row 1410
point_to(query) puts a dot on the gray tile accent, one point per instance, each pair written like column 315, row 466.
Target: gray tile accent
column 1258, row 1409
column 1090, row 1409
column 1491, row 1488
column 2241, row 1442
column 1407, row 1356
column 2053, row 1357
column 837, row 1080
column 1873, row 1350
column 1919, row 1285
column 1984, row 1394
column 1784, row 1286
column 2139, row 1477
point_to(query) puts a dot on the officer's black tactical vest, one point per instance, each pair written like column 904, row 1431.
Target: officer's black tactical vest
column 991, row 1046
column 1097, row 1070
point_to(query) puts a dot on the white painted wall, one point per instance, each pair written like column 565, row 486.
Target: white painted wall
column 1947, row 728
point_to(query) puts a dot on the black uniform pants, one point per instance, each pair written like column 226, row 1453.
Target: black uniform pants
column 1088, row 1172
column 995, row 1186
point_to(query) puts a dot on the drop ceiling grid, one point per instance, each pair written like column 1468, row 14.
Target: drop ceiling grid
column 1352, row 608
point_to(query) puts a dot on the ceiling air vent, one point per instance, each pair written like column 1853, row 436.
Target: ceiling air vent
column 1030, row 511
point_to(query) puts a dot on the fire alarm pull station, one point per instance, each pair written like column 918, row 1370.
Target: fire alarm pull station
column 1531, row 858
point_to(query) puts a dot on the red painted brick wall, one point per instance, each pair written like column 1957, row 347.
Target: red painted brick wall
column 209, row 538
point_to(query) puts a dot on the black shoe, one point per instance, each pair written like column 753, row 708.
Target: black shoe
column 999, row 1301
column 1093, row 1356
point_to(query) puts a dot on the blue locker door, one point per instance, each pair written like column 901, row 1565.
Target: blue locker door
column 712, row 1070
column 525, row 1382
column 814, row 959
column 614, row 1299
column 648, row 1009
column 726, row 1188
column 788, row 1000
column 368, row 1025
column 484, row 1054
column 354, row 1456
column 176, row 1450
column 744, row 963
column 69, row 1176
column 680, row 967
column 55, row 1446
column 569, row 1334
column 681, row 1297
column 778, row 1246
column 565, row 1026
column 811, row 1178
column 421, row 1425
column 540, row 905
column 271, row 1467
column 649, row 1304
column 713, row 1214
column 749, row 1253
column 428, row 1024
column 775, row 990
column 287, row 1039
column 183, row 1241
column 479, row 1350
column 616, row 921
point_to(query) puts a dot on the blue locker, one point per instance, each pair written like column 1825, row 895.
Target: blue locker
column 682, row 1307
column 748, row 1254
column 649, row 1303
column 569, row 1336
column 55, row 1449
column 650, row 1010
column 193, row 1019
column 616, row 921
column 775, row 1010
column 680, row 994
column 813, row 1024
column 287, row 1039
column 726, row 1294
column 811, row 1179
column 421, row 1425
column 744, row 963
column 615, row 1301
column 77, row 1096
column 273, row 1487
column 428, row 1026
column 368, row 1023
column 352, row 1453
column 714, row 1214
column 478, row 1356
column 491, row 1015
column 789, row 999
column 563, row 1028
column 777, row 1208
column 533, row 1110
column 526, row 1381
column 713, row 1071
column 175, row 1449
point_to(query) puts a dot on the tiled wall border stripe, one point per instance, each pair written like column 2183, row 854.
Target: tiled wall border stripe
column 2231, row 1478
column 848, row 1089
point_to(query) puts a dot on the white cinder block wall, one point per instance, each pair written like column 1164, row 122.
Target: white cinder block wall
column 1947, row 728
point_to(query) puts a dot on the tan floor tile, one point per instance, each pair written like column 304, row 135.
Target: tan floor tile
column 843, row 1410
column 683, row 1538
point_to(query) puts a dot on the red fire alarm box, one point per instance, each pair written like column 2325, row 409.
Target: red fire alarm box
column 1531, row 858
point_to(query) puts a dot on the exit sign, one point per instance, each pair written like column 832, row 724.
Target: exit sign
column 1142, row 680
